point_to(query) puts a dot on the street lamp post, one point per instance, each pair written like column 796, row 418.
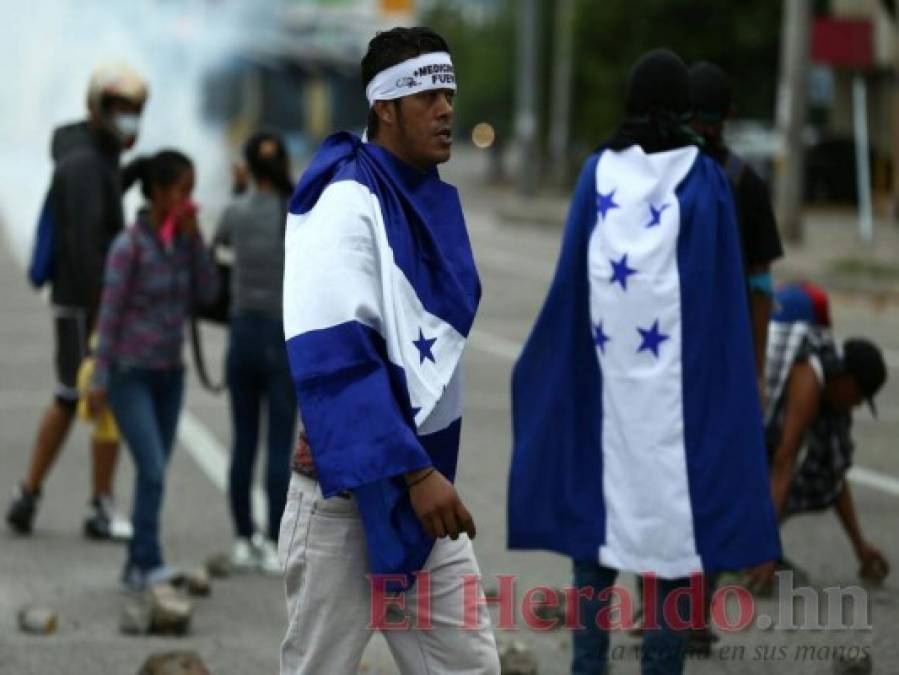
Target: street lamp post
column 526, row 96
column 792, row 104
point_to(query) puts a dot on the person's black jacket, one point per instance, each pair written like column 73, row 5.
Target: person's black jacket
column 86, row 204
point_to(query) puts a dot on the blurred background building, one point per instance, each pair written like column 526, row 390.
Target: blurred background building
column 219, row 69
column 855, row 37
column 300, row 74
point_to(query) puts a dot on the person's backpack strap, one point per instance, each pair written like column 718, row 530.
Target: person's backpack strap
column 196, row 343
column 196, row 346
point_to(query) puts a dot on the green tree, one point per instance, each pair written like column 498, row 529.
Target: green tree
column 741, row 37
column 484, row 56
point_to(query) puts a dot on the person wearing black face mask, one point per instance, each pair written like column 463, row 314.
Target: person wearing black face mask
column 81, row 216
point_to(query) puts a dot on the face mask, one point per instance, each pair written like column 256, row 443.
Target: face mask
column 126, row 125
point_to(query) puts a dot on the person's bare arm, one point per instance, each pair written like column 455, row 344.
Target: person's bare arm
column 874, row 566
column 803, row 402
column 759, row 315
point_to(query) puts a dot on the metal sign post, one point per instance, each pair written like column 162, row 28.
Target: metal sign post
column 849, row 43
column 862, row 169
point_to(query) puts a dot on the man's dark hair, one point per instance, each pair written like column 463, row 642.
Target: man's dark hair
column 394, row 46
column 267, row 159
column 711, row 92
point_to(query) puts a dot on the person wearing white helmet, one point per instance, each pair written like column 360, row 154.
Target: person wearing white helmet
column 82, row 214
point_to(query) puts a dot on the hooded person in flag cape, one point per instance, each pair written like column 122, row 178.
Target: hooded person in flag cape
column 638, row 442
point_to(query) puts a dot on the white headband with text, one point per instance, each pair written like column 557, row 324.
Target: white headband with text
column 422, row 73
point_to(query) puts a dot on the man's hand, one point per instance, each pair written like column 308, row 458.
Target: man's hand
column 874, row 565
column 437, row 505
column 803, row 402
column 760, row 579
column 96, row 401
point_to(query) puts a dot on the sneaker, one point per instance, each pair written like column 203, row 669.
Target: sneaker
column 243, row 556
column 266, row 552
column 104, row 522
column 22, row 509
column 136, row 580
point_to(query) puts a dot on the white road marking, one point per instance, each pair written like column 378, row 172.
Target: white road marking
column 874, row 479
column 891, row 356
column 213, row 459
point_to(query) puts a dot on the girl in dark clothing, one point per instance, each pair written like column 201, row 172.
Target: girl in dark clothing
column 257, row 369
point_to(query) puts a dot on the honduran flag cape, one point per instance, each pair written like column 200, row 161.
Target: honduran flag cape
column 638, row 437
column 380, row 292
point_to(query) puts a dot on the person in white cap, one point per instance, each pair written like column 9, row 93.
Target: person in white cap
column 81, row 215
column 380, row 293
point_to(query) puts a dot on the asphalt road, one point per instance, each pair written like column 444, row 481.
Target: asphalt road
column 237, row 630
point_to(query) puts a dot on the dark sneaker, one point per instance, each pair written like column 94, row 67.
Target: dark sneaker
column 22, row 509
column 103, row 522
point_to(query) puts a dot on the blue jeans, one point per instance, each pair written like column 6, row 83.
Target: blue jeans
column 146, row 403
column 258, row 371
column 664, row 650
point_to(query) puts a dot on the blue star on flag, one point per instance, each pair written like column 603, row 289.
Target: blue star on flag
column 656, row 215
column 651, row 339
column 600, row 338
column 620, row 271
column 424, row 348
column 605, row 203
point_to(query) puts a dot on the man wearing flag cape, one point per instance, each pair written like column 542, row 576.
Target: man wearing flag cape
column 638, row 442
column 380, row 292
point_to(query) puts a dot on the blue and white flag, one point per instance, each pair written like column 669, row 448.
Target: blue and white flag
column 380, row 292
column 638, row 437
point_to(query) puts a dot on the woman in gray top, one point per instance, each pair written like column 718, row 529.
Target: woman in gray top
column 257, row 369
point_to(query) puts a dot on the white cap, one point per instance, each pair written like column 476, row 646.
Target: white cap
column 115, row 79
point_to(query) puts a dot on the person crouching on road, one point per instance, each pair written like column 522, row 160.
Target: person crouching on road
column 814, row 384
column 155, row 272
column 639, row 448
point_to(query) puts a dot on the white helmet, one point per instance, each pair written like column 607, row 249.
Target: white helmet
column 115, row 79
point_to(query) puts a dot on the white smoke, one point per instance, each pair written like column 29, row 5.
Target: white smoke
column 48, row 49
